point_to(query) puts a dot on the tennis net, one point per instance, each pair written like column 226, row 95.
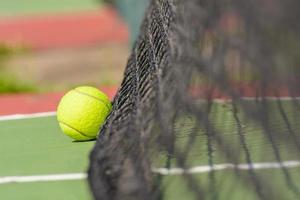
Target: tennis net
column 209, row 105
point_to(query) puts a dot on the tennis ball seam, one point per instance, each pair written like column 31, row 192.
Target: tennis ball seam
column 76, row 130
column 102, row 101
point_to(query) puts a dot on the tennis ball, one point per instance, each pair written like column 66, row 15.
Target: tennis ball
column 82, row 111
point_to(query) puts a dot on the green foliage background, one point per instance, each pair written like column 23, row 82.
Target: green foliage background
column 9, row 83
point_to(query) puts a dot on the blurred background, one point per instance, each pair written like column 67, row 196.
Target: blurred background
column 58, row 44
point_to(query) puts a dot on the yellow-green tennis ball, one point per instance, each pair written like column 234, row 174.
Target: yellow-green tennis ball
column 82, row 111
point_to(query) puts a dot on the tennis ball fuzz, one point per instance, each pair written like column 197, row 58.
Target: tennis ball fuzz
column 82, row 111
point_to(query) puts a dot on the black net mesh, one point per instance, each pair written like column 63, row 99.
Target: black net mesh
column 209, row 106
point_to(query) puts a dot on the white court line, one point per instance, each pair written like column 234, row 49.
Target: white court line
column 42, row 178
column 269, row 98
column 26, row 116
column 48, row 114
column 272, row 98
column 225, row 166
column 162, row 171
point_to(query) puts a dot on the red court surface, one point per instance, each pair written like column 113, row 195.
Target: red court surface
column 35, row 103
column 64, row 31
column 47, row 102
column 247, row 90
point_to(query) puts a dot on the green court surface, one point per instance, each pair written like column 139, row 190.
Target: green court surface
column 75, row 190
column 244, row 138
column 33, row 7
column 36, row 146
column 227, row 186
